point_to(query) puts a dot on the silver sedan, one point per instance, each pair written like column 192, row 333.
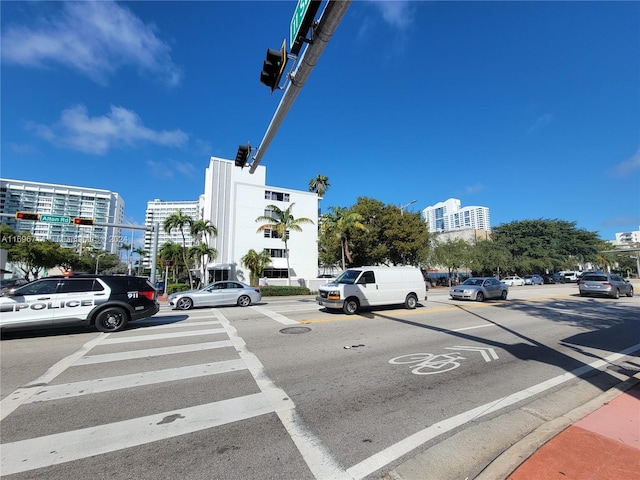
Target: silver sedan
column 479, row 288
column 218, row 293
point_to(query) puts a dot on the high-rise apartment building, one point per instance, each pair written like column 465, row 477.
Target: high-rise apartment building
column 449, row 216
column 66, row 201
column 158, row 211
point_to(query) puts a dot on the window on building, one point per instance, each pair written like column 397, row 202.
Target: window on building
column 279, row 196
column 275, row 273
column 276, row 252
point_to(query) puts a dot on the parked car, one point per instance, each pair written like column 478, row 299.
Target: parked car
column 214, row 294
column 533, row 280
column 480, row 288
column 570, row 276
column 109, row 302
column 549, row 280
column 513, row 281
column 609, row 285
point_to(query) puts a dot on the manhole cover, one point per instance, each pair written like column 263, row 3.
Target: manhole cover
column 295, row 330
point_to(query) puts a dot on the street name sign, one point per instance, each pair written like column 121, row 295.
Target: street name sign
column 301, row 22
column 55, row 219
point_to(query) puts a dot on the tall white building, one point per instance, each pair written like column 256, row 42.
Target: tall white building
column 233, row 199
column 158, row 211
column 449, row 216
column 68, row 202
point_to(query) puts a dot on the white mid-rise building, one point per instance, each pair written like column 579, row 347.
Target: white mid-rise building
column 450, row 216
column 158, row 211
column 627, row 238
column 64, row 202
column 233, row 199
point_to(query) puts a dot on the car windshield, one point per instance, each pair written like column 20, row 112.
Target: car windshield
column 473, row 281
column 348, row 276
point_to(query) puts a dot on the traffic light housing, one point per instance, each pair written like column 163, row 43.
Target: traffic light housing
column 244, row 151
column 83, row 221
column 168, row 263
column 27, row 216
column 273, row 66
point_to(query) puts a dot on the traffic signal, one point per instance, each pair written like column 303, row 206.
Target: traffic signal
column 83, row 221
column 168, row 263
column 273, row 66
column 243, row 155
column 27, row 216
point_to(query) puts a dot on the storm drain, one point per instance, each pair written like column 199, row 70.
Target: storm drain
column 295, row 330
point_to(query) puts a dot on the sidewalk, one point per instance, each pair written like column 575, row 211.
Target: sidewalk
column 603, row 445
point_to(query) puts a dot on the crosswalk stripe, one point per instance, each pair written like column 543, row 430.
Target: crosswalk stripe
column 107, row 384
column 161, row 336
column 182, row 324
column 25, row 455
column 151, row 352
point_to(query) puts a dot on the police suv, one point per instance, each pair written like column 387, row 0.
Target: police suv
column 107, row 301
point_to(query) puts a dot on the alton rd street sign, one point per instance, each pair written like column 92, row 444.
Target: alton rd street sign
column 55, row 219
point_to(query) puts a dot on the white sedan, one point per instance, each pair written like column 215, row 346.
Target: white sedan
column 513, row 281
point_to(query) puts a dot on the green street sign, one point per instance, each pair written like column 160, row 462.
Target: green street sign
column 301, row 22
column 55, row 219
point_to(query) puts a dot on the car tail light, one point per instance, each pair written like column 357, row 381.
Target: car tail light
column 151, row 295
column 606, row 283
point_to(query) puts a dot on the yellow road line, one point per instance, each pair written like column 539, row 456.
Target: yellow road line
column 342, row 318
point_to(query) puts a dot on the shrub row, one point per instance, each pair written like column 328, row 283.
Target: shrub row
column 177, row 287
column 281, row 291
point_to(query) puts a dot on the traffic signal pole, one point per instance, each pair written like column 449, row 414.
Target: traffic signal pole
column 329, row 21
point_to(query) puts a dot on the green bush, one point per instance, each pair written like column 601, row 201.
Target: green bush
column 177, row 287
column 280, row 291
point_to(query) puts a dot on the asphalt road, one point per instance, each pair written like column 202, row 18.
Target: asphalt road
column 287, row 390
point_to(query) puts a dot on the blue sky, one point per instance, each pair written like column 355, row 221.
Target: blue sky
column 529, row 108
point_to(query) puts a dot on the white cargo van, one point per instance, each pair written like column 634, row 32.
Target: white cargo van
column 372, row 286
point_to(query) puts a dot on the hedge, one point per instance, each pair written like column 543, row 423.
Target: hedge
column 280, row 291
column 177, row 287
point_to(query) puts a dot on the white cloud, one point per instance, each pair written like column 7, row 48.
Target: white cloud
column 397, row 13
column 541, row 122
column 94, row 38
column 626, row 167
column 471, row 189
column 97, row 135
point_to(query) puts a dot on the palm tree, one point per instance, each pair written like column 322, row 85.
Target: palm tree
column 127, row 248
column 282, row 221
column 141, row 253
column 200, row 252
column 180, row 221
column 173, row 252
column 203, row 230
column 256, row 263
column 340, row 221
column 320, row 185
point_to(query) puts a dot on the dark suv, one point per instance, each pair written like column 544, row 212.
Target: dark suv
column 107, row 301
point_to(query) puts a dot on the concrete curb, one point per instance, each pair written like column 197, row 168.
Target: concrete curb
column 507, row 462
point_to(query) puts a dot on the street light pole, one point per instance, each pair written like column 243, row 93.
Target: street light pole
column 402, row 207
column 98, row 261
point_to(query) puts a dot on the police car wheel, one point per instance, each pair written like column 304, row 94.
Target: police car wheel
column 111, row 319
column 184, row 303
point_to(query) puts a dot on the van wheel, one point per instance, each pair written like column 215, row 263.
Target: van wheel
column 111, row 319
column 411, row 301
column 350, row 306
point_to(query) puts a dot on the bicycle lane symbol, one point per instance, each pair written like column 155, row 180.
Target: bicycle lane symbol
column 430, row 363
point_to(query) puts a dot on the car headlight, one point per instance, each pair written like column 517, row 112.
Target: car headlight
column 334, row 295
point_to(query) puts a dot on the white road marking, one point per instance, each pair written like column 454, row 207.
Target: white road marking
column 162, row 336
column 108, row 384
column 40, row 452
column 392, row 453
column 152, row 352
column 182, row 324
column 21, row 395
column 274, row 315
column 313, row 451
column 487, row 353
